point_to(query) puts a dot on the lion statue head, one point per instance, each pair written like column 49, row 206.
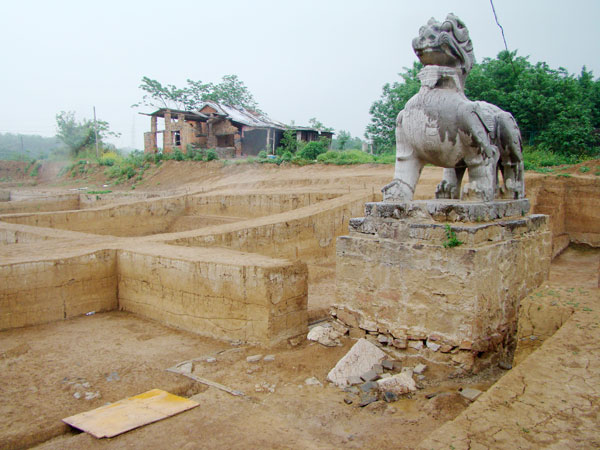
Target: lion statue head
column 445, row 44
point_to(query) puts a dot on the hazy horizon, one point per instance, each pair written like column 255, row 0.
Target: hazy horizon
column 325, row 59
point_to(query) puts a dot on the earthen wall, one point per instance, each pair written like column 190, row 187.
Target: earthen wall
column 220, row 294
column 37, row 292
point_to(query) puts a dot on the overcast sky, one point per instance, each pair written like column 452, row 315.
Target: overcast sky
column 300, row 59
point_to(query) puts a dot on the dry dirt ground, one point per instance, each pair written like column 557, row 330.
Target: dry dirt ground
column 120, row 355
column 116, row 354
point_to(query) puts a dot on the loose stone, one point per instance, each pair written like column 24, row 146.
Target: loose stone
column 353, row 380
column 312, row 381
column 433, row 346
column 417, row 345
column 470, row 393
column 254, row 358
column 378, row 368
column 399, row 384
column 366, row 399
column 504, row 365
column 419, row 368
column 370, row 375
column 359, row 359
column 399, row 343
column 369, row 386
column 387, row 364
column 383, row 339
column 390, row 397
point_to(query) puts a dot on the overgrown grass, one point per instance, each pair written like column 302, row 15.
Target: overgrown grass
column 348, row 157
column 337, row 157
column 540, row 160
column 133, row 165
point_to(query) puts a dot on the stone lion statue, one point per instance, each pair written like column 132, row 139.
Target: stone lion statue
column 441, row 126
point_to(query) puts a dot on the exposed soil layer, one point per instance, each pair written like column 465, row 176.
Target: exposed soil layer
column 43, row 367
column 113, row 355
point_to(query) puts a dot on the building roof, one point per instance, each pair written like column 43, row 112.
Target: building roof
column 236, row 114
column 244, row 116
column 189, row 115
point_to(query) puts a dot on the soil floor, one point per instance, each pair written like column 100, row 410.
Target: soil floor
column 116, row 355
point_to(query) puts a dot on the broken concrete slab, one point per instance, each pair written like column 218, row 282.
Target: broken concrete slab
column 399, row 384
column 359, row 359
column 325, row 335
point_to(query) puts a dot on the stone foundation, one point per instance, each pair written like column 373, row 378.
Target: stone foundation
column 458, row 305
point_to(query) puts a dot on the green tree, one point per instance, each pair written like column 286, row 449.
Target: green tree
column 342, row 139
column 233, row 92
column 318, row 125
column 555, row 111
column 288, row 143
column 381, row 130
column 78, row 135
column 158, row 96
column 230, row 91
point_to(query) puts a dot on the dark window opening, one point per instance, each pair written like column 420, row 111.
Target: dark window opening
column 176, row 138
column 225, row 140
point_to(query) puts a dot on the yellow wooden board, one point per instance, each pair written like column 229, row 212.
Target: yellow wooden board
column 127, row 414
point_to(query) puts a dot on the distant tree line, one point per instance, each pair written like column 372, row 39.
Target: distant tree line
column 26, row 146
column 555, row 110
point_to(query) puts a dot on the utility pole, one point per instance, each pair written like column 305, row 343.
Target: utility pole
column 96, row 133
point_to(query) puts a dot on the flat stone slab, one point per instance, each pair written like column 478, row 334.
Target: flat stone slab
column 470, row 393
column 449, row 210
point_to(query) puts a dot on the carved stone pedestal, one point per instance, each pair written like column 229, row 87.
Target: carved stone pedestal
column 399, row 276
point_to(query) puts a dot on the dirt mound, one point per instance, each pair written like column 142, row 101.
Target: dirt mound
column 13, row 171
column 586, row 168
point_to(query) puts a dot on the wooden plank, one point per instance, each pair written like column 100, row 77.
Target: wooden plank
column 127, row 414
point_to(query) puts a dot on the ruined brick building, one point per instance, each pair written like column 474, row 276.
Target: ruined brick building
column 232, row 131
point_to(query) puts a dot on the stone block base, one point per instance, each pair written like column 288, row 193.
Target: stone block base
column 396, row 275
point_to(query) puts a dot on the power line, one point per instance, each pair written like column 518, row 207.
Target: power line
column 498, row 23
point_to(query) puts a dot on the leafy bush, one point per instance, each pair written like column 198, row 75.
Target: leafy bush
column 36, row 168
column 211, row 155
column 386, row 158
column 354, row 157
column 313, row 149
column 178, row 155
column 451, row 239
column 262, row 154
column 109, row 159
column 113, row 172
column 288, row 143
